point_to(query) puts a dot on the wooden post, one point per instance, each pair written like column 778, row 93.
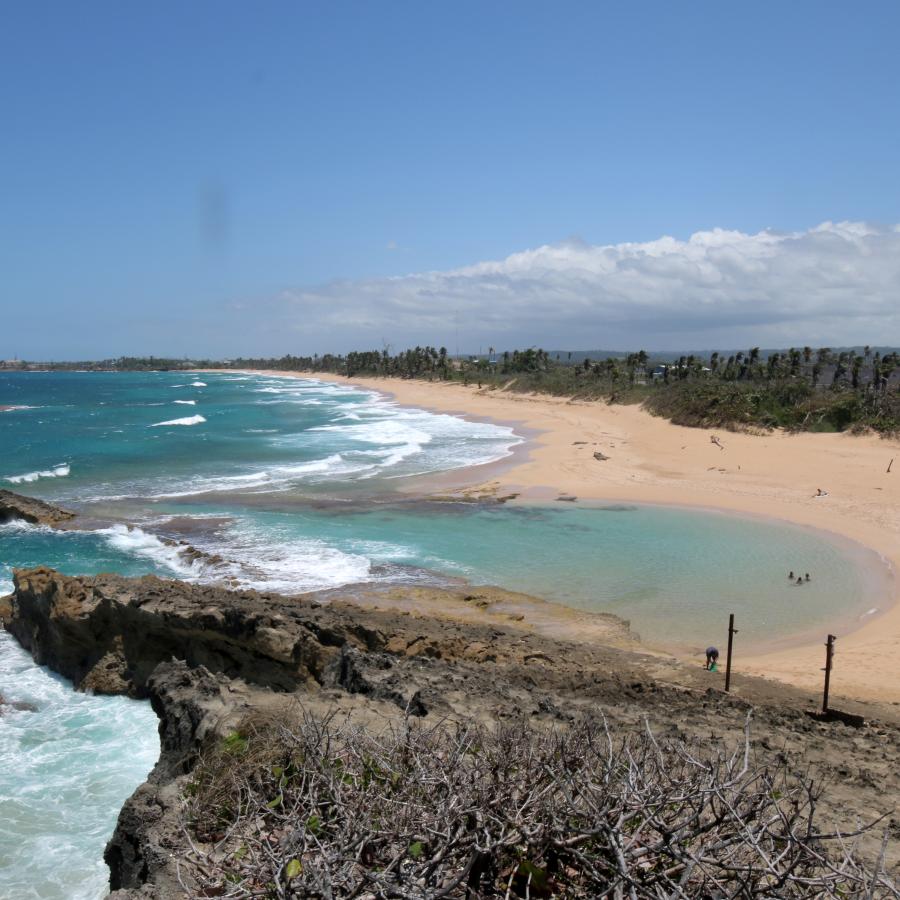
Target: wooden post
column 732, row 631
column 829, row 656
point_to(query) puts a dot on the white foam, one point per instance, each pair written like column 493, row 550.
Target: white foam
column 268, row 560
column 198, row 384
column 186, row 402
column 189, row 420
column 60, row 471
column 254, row 557
column 22, row 525
column 138, row 542
column 68, row 766
column 272, row 477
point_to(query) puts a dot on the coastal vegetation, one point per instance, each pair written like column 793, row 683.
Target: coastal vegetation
column 325, row 808
column 798, row 389
column 801, row 389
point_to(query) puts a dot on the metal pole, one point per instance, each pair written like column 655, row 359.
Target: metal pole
column 829, row 656
column 732, row 631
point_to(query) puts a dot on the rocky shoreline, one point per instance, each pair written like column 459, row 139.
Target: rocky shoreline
column 206, row 658
column 16, row 507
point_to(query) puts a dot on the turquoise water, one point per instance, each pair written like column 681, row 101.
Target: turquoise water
column 294, row 486
column 293, row 483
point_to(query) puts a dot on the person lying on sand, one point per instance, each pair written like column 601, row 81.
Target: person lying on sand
column 712, row 657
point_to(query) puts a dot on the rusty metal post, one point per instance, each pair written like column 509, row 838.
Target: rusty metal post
column 829, row 656
column 732, row 631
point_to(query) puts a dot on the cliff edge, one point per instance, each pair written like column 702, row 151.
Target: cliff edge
column 210, row 659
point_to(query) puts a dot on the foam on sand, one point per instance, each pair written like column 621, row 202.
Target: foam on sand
column 60, row 471
column 188, row 420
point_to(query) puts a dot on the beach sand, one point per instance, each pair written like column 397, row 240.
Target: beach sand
column 651, row 460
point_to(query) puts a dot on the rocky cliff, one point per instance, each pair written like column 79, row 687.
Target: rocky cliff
column 207, row 658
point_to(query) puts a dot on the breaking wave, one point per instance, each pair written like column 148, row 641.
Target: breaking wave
column 60, row 471
column 188, row 420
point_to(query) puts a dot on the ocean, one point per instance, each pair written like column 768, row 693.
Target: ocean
column 298, row 485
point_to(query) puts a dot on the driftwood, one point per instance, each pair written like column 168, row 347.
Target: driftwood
column 325, row 809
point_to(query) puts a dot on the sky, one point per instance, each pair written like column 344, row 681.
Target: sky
column 224, row 179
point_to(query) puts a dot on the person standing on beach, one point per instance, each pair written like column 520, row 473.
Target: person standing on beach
column 712, row 657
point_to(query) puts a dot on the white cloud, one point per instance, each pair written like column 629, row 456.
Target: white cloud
column 837, row 283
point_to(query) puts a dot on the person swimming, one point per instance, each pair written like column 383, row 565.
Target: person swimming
column 807, row 577
column 791, row 576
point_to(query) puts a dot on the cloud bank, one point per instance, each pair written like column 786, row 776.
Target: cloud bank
column 836, row 284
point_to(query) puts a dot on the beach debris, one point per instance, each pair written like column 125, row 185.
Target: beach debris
column 600, row 456
column 890, row 464
column 568, row 498
column 714, row 440
column 576, row 443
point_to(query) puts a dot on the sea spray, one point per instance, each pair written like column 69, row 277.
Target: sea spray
column 69, row 762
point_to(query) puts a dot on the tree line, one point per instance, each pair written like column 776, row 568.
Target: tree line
column 800, row 388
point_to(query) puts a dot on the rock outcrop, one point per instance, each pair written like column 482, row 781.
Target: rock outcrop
column 208, row 658
column 36, row 512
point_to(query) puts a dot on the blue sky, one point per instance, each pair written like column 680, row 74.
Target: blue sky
column 224, row 178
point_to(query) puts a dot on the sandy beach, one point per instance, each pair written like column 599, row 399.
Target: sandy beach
column 650, row 460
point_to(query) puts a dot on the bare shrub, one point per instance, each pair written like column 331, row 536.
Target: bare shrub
column 327, row 809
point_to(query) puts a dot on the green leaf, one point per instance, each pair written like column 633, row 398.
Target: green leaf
column 415, row 849
column 274, row 804
column 235, row 743
column 241, row 852
column 313, row 823
column 293, row 868
column 538, row 874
